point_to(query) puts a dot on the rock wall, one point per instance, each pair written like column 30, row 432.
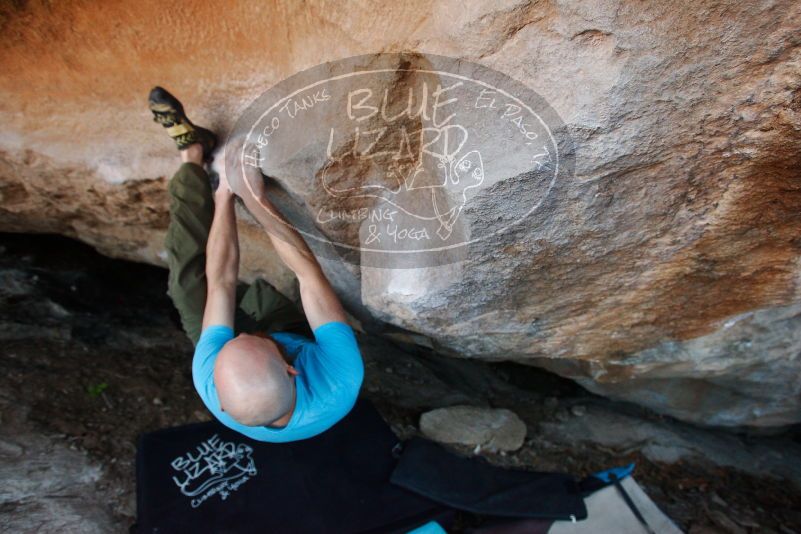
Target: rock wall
column 665, row 272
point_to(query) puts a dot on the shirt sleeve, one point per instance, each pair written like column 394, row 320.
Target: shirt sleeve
column 338, row 353
column 211, row 341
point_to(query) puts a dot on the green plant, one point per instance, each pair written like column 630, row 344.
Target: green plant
column 97, row 389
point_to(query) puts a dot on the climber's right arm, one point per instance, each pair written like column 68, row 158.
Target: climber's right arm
column 320, row 304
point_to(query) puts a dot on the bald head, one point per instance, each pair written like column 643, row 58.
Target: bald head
column 254, row 384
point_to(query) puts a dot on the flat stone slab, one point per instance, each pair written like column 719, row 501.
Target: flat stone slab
column 495, row 429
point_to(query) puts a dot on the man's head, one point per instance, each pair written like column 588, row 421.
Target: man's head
column 255, row 385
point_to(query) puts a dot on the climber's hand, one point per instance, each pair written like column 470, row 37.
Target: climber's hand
column 254, row 179
column 224, row 186
column 242, row 171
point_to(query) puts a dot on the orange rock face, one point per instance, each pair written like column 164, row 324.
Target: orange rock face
column 665, row 271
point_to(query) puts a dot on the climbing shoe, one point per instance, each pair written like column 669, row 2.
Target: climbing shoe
column 169, row 112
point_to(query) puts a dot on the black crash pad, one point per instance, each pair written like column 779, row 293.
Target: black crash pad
column 474, row 485
column 206, row 478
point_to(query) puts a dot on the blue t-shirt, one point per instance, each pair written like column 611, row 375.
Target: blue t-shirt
column 330, row 374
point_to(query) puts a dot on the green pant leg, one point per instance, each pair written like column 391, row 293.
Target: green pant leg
column 191, row 213
column 263, row 309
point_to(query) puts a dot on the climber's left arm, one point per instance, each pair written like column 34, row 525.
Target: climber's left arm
column 222, row 261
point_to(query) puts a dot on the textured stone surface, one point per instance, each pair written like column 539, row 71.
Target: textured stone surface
column 666, row 272
column 487, row 428
column 48, row 487
column 669, row 442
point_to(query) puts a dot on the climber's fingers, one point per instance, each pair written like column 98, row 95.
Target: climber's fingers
column 241, row 169
column 238, row 166
column 224, row 181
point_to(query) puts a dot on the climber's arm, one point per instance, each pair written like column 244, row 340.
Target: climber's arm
column 320, row 303
column 243, row 172
column 222, row 261
column 288, row 243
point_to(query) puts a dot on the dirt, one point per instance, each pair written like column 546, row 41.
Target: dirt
column 93, row 349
